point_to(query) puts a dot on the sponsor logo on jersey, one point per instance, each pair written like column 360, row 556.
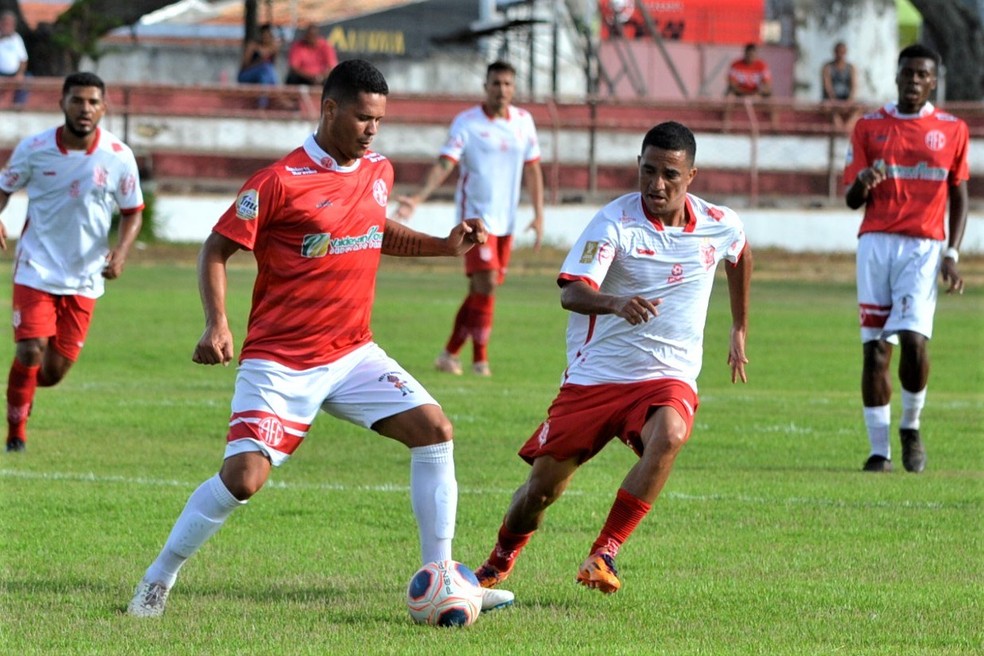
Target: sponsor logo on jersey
column 645, row 251
column 394, row 379
column 590, row 252
column 921, row 171
column 935, row 140
column 248, row 204
column 322, row 244
column 315, row 245
column 380, row 193
column 128, row 184
column 49, row 173
column 541, row 438
column 300, row 170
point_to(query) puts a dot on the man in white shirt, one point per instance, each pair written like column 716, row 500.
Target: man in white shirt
column 75, row 175
column 493, row 144
column 637, row 282
column 13, row 54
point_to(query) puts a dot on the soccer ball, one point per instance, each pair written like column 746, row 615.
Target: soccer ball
column 444, row 593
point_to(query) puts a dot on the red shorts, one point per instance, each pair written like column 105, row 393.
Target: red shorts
column 63, row 319
column 584, row 418
column 493, row 255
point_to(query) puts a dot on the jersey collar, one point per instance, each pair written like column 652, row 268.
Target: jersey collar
column 61, row 142
column 892, row 109
column 323, row 159
column 688, row 212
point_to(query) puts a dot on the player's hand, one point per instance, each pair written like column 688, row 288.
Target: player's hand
column 952, row 279
column 736, row 355
column 405, row 208
column 637, row 309
column 536, row 225
column 466, row 234
column 873, row 176
column 214, row 347
column 114, row 266
column 3, row 237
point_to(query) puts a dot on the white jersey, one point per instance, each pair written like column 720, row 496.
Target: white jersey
column 621, row 252
column 491, row 153
column 71, row 198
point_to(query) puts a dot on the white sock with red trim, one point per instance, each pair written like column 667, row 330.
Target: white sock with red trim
column 434, row 497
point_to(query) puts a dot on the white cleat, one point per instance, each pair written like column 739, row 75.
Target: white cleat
column 148, row 599
column 494, row 599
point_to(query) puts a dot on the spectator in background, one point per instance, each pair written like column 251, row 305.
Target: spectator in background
column 310, row 59
column 839, row 84
column 749, row 76
column 259, row 58
column 13, row 54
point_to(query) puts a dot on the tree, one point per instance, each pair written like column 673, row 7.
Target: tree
column 954, row 29
column 57, row 48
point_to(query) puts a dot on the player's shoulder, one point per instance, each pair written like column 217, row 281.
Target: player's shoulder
column 110, row 143
column 947, row 117
column 470, row 115
column 39, row 140
column 710, row 212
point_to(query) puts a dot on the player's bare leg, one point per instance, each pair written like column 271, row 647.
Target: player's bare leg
column 876, row 395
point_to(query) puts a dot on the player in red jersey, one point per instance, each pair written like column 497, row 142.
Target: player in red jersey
column 637, row 283
column 316, row 224
column 907, row 162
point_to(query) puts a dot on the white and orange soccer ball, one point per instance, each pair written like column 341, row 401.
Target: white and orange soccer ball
column 444, row 593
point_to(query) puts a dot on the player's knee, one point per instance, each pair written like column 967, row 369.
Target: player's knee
column 877, row 354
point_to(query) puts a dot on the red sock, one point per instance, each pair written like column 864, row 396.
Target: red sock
column 483, row 306
column 507, row 548
column 21, row 385
column 623, row 518
column 460, row 330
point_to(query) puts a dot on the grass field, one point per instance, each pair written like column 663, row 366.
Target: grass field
column 767, row 540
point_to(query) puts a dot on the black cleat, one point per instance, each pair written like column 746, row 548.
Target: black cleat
column 877, row 464
column 913, row 453
column 15, row 444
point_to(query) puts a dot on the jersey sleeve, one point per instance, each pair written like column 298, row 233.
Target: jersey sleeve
column 592, row 254
column 457, row 139
column 960, row 170
column 129, row 195
column 17, row 172
column 856, row 158
column 532, row 153
column 738, row 239
column 258, row 200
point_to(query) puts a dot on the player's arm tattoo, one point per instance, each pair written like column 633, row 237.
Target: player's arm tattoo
column 402, row 243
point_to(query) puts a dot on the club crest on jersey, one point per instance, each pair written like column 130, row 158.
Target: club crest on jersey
column 99, row 176
column 935, row 140
column 380, row 193
column 589, row 253
column 707, row 253
column 128, row 184
column 248, row 204
column 397, row 382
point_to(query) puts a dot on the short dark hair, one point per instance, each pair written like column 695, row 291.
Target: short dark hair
column 83, row 79
column 352, row 77
column 672, row 136
column 499, row 66
column 919, row 51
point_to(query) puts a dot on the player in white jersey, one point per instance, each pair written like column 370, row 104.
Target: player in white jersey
column 76, row 176
column 637, row 283
column 493, row 144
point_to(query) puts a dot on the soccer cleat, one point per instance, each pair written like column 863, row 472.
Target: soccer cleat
column 449, row 364
column 15, row 444
column 148, row 599
column 489, row 576
column 496, row 599
column 482, row 369
column 876, row 463
column 913, row 453
column 599, row 572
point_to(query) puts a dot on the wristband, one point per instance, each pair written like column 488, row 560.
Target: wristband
column 952, row 254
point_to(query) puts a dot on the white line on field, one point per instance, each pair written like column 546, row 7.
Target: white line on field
column 89, row 477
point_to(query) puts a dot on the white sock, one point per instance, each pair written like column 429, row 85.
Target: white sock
column 878, row 419
column 203, row 515
column 434, row 498
column 912, row 405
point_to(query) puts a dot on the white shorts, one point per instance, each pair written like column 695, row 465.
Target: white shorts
column 896, row 285
column 274, row 406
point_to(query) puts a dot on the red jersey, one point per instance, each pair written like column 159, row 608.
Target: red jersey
column 749, row 77
column 924, row 155
column 316, row 231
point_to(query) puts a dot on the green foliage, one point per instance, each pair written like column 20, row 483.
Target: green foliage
column 767, row 540
column 148, row 229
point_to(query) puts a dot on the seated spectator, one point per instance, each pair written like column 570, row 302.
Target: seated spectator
column 13, row 54
column 749, row 76
column 839, row 83
column 310, row 58
column 259, row 57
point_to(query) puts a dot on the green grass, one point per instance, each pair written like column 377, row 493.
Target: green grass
column 767, row 540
